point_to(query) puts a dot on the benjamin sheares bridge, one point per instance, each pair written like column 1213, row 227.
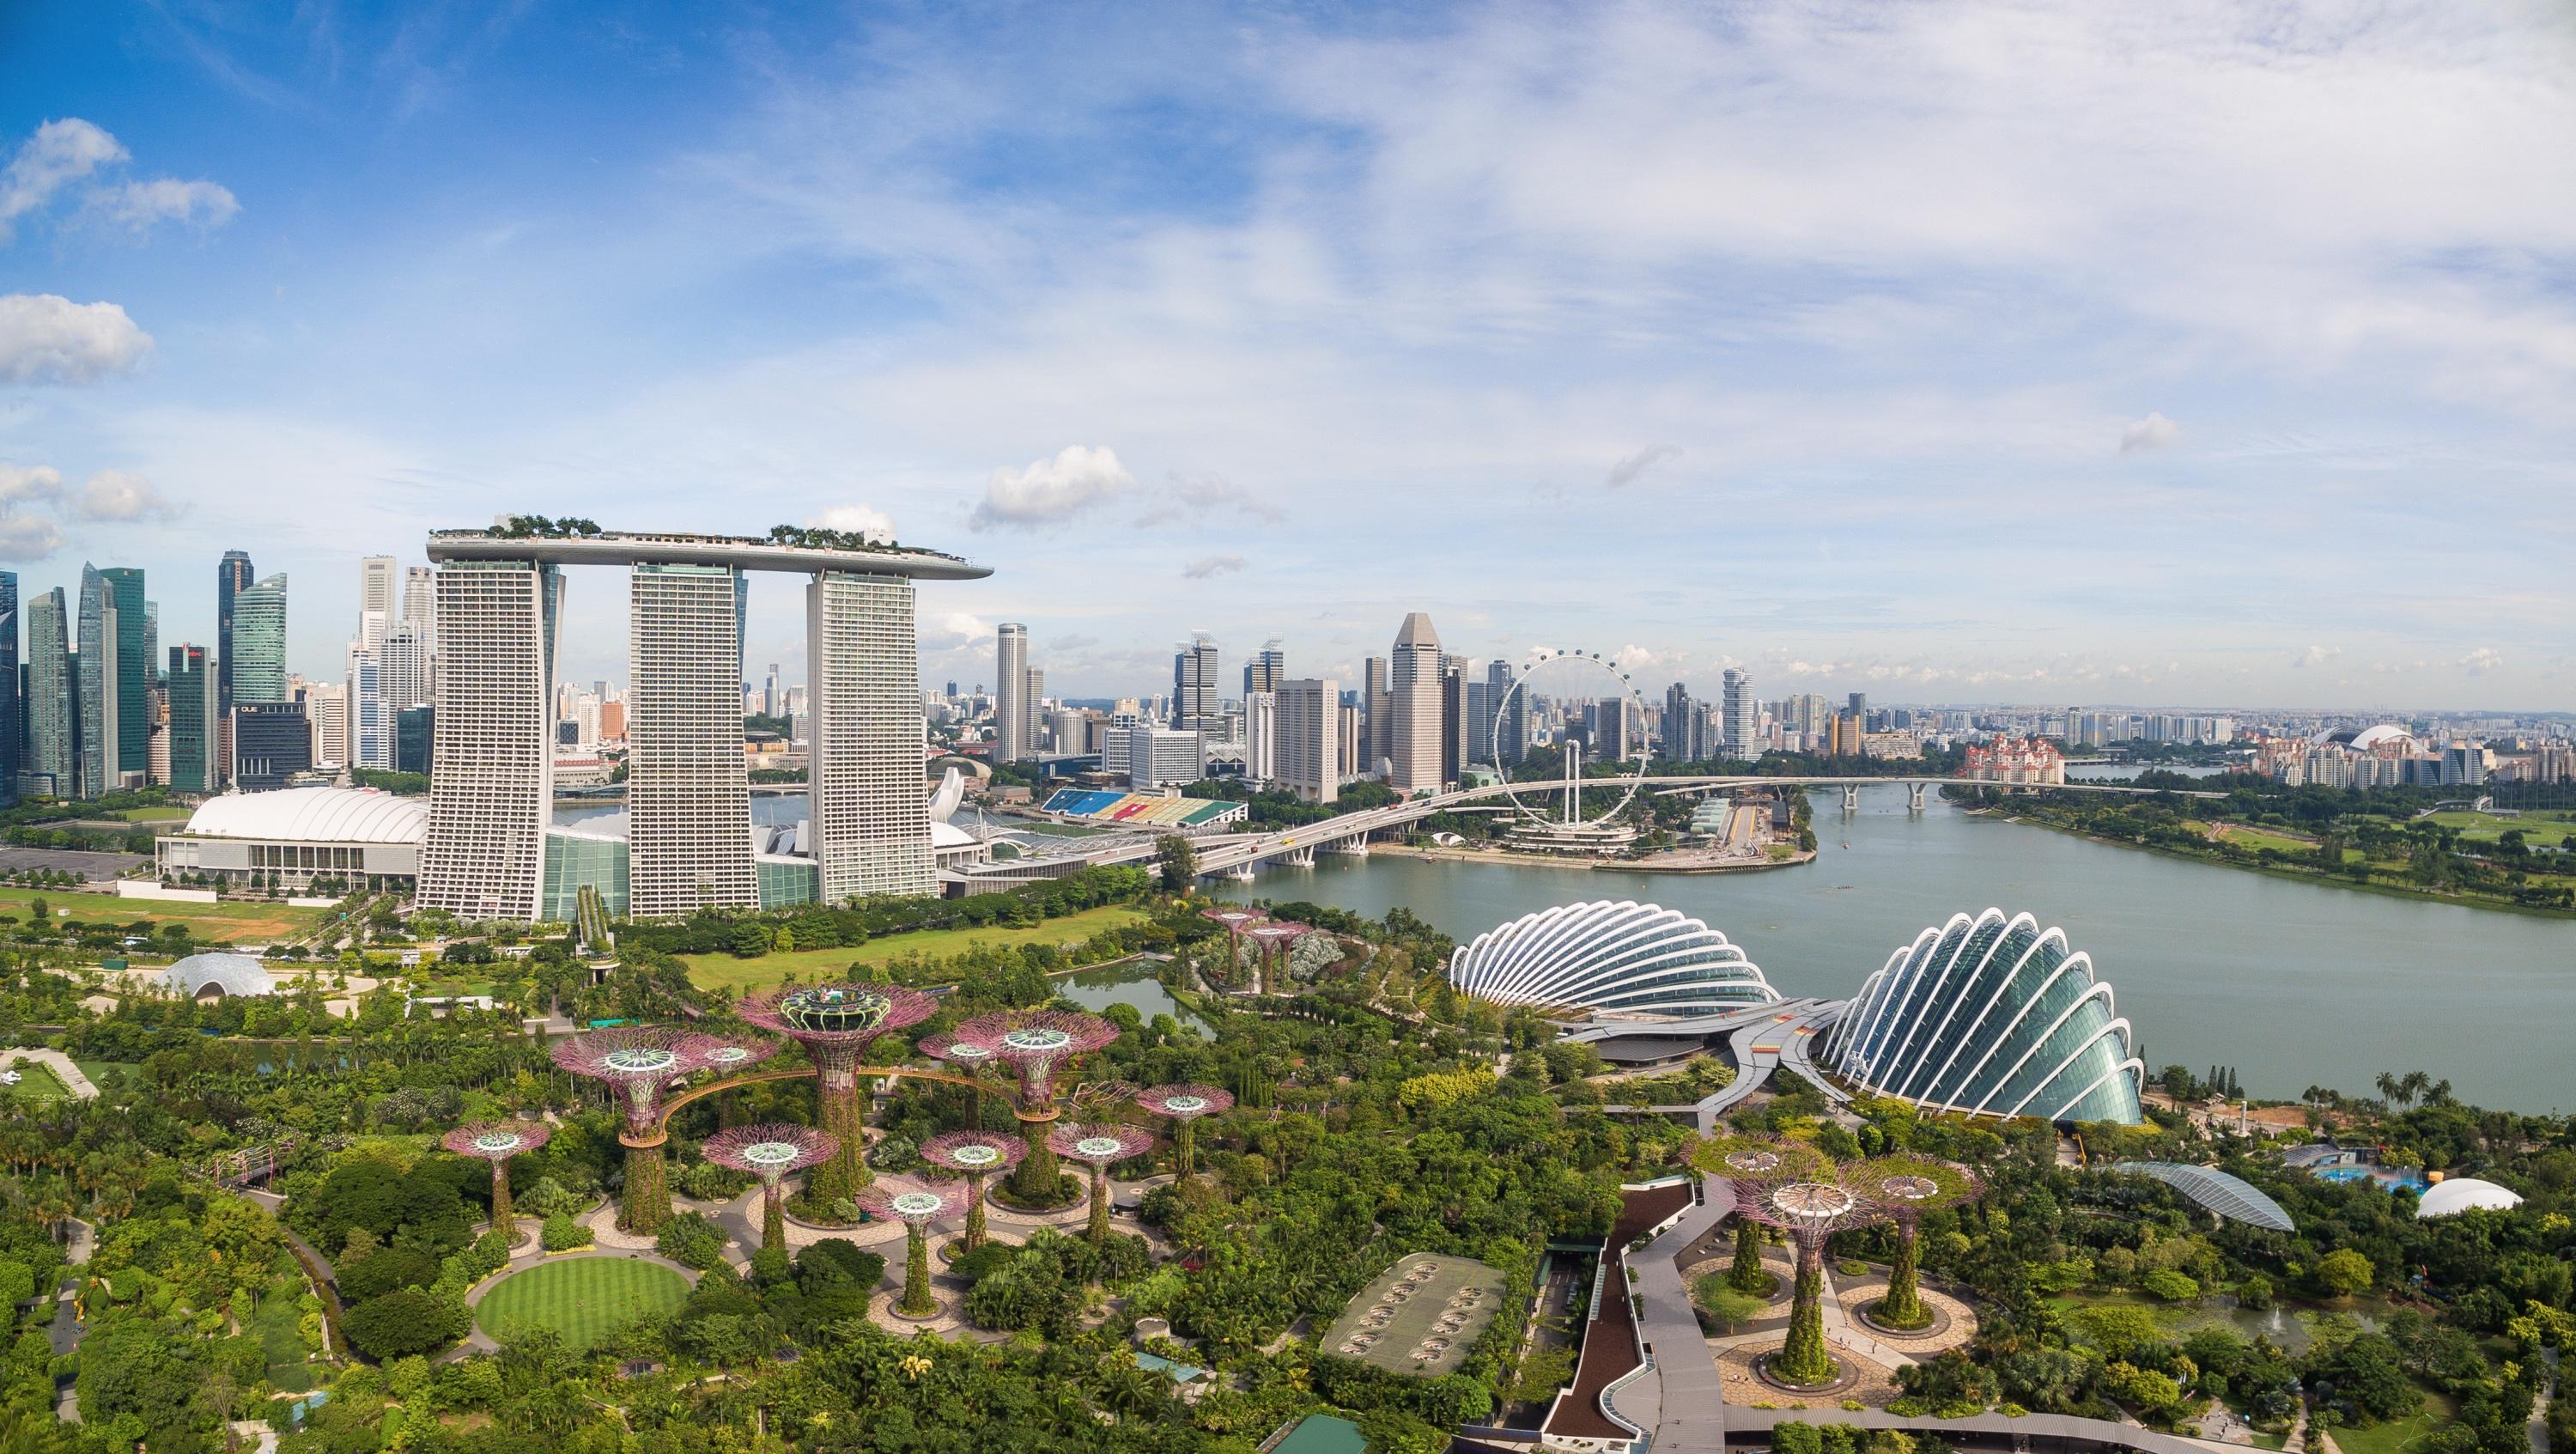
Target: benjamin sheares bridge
column 1986, row 1014
column 491, row 851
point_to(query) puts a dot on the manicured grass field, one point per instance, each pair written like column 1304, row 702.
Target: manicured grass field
column 2408, row 1435
column 583, row 1298
column 228, row 923
column 724, row 972
column 2540, row 830
column 152, row 815
column 37, row 1081
column 2257, row 839
column 107, row 1075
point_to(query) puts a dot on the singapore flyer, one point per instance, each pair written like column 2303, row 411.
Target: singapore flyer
column 1552, row 815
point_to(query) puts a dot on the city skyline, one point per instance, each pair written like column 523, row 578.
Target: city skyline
column 1344, row 327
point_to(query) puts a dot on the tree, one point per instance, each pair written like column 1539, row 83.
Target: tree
column 1180, row 863
column 2344, row 1272
column 1729, row 1309
column 400, row 1323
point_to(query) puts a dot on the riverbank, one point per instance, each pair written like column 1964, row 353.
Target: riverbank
column 1505, row 857
column 2284, row 870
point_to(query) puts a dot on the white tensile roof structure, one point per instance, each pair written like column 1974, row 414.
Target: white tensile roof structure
column 229, row 974
column 1625, row 956
column 313, row 815
column 2459, row 1194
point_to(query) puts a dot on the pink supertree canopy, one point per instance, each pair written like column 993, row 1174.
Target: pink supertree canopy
column 1184, row 1102
column 1100, row 1144
column 497, row 1140
column 769, row 1152
column 967, row 1055
column 916, row 1202
column 1036, row 1043
column 725, row 1056
column 837, row 1020
column 973, row 1153
column 1235, row 920
column 637, row 1061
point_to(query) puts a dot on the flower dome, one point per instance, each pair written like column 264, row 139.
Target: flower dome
column 1639, row 958
column 217, row 976
column 1992, row 1016
column 2460, row 1193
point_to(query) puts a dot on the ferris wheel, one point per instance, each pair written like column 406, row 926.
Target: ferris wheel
column 1578, row 671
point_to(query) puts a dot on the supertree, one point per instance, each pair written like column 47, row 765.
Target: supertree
column 734, row 1056
column 1761, row 1159
column 1236, row 921
column 836, row 1023
column 1182, row 1105
column 916, row 1205
column 971, row 1058
column 637, row 1062
column 1810, row 1207
column 497, row 1142
column 1100, row 1145
column 1906, row 1186
column 770, row 1152
column 1270, row 944
column 974, row 1155
column 1037, row 1043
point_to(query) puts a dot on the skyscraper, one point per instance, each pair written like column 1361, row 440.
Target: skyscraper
column 371, row 742
column 193, row 714
column 1504, row 729
column 133, row 692
column 493, row 793
column 273, row 741
column 232, row 576
column 1309, row 731
column 1194, row 688
column 1454, row 729
column 1267, row 669
column 869, row 811
column 688, row 803
column 1413, row 692
column 1377, row 715
column 375, row 598
column 257, row 661
column 12, row 710
column 95, row 695
column 1740, row 714
column 405, row 660
column 52, row 706
column 1261, row 736
column 1011, row 692
column 1681, row 726
column 773, row 694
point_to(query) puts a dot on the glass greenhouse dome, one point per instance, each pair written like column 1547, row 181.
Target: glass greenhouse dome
column 1638, row 958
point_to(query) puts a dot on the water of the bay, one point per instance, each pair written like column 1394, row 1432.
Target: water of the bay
column 2292, row 983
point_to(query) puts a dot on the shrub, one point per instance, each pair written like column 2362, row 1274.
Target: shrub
column 562, row 1234
column 401, row 1323
column 691, row 1241
column 2172, row 1286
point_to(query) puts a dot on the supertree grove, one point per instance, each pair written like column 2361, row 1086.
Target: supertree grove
column 916, row 1205
column 1906, row 1186
column 1810, row 1206
column 497, row 1142
column 971, row 1058
column 637, row 1062
column 836, row 1023
column 973, row 1155
column 1182, row 1105
column 1761, row 1159
column 1270, row 943
column 771, row 1152
column 1036, row 1043
column 1099, row 1146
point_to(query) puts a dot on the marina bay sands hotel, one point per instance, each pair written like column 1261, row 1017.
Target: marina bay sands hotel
column 492, row 851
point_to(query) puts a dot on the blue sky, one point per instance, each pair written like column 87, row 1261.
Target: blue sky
column 2196, row 353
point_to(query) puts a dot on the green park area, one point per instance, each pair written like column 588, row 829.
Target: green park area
column 2540, row 830
column 153, row 815
column 726, row 973
column 584, row 1299
column 36, row 1081
column 248, row 922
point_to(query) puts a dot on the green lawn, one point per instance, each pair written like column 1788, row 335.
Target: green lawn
column 275, row 1323
column 107, row 1075
column 583, row 1298
column 724, row 972
column 2257, row 839
column 226, row 923
column 2398, row 1436
column 2540, row 830
column 37, row 1081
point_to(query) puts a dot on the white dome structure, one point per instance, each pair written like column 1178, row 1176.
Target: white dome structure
column 313, row 815
column 1638, row 958
column 217, row 976
column 2459, row 1194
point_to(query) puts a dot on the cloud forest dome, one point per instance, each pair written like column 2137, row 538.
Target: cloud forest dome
column 1640, row 958
column 1993, row 1016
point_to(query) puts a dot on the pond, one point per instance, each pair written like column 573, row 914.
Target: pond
column 1129, row 982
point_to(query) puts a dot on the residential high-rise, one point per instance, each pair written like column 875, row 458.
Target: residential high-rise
column 375, row 598
column 688, row 802
column 1741, row 715
column 870, row 814
column 52, row 699
column 258, row 660
column 1354, row 741
column 1194, row 686
column 232, row 576
column 193, row 714
column 1011, row 704
column 13, row 727
column 1413, row 717
column 1308, row 727
column 1267, row 669
column 493, row 792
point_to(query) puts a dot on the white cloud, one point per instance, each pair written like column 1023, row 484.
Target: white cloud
column 1046, row 491
column 2147, row 435
column 23, row 482
column 1209, row 566
column 2315, row 656
column 2483, row 660
column 46, row 338
column 1627, row 471
column 1193, row 498
column 28, row 537
column 60, row 153
column 866, row 521
column 140, row 206
column 117, row 495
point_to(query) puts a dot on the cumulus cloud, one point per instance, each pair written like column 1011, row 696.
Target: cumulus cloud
column 117, row 495
column 1193, row 498
column 28, row 537
column 2145, row 436
column 20, row 483
column 2481, row 661
column 2315, row 656
column 955, row 629
column 1628, row 471
column 1208, row 566
column 1080, row 477
column 864, row 521
column 141, row 206
column 59, row 154
column 47, row 338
